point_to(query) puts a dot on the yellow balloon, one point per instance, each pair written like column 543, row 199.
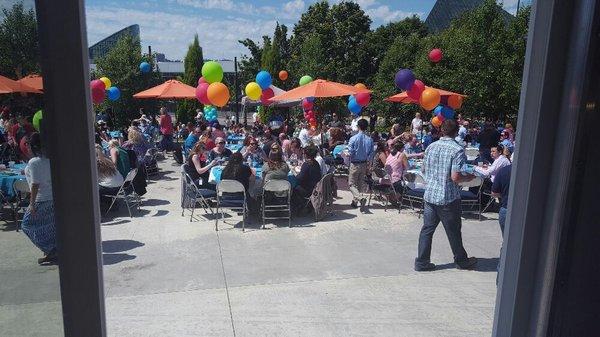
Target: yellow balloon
column 253, row 91
column 106, row 82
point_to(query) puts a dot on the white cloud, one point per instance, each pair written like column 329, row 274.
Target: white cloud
column 293, row 9
column 384, row 14
column 172, row 33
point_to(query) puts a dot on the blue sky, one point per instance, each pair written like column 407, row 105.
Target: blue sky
column 169, row 25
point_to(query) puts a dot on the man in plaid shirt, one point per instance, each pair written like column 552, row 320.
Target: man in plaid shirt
column 442, row 168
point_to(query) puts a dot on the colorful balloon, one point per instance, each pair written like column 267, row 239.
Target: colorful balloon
column 416, row 90
column 106, row 81
column 310, row 99
column 202, row 93
column 455, row 101
column 264, row 80
column 97, row 84
column 37, row 119
column 305, row 80
column 98, row 95
column 363, row 98
column 145, row 67
column 267, row 94
column 253, row 91
column 437, row 110
column 201, row 80
column 435, row 121
column 430, row 98
column 218, row 94
column 447, row 112
column 360, row 86
column 113, row 93
column 212, row 72
column 353, row 106
column 283, row 75
column 435, row 55
column 404, row 79
column 307, row 105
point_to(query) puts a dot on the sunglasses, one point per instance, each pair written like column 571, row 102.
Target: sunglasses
column 221, row 143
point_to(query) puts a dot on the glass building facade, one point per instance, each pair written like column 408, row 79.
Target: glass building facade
column 102, row 47
column 444, row 11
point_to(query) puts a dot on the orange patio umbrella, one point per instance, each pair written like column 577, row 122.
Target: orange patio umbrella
column 169, row 89
column 8, row 86
column 403, row 96
column 320, row 88
column 33, row 81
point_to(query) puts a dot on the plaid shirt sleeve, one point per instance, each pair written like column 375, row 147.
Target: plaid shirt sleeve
column 458, row 161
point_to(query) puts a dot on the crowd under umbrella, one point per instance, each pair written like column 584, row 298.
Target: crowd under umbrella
column 171, row 89
column 8, row 86
column 33, row 81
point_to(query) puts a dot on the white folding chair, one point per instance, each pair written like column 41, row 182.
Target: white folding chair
column 22, row 191
column 470, row 199
column 126, row 193
column 227, row 197
column 192, row 195
column 277, row 188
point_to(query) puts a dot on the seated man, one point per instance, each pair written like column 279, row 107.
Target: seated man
column 412, row 149
column 219, row 151
column 500, row 161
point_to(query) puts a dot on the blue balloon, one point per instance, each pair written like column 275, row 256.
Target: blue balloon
column 113, row 93
column 447, row 112
column 145, row 67
column 310, row 99
column 264, row 80
column 354, row 107
column 438, row 110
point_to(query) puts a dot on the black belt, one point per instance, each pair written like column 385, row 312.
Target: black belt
column 358, row 162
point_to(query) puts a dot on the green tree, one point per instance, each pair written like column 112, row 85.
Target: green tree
column 19, row 47
column 192, row 64
column 250, row 65
column 121, row 66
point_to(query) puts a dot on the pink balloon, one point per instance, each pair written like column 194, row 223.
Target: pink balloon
column 307, row 105
column 310, row 114
column 201, row 80
column 98, row 95
column 435, row 55
column 267, row 94
column 362, row 98
column 97, row 84
column 416, row 90
column 202, row 93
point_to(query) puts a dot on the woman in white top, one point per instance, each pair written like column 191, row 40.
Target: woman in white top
column 109, row 178
column 417, row 123
column 38, row 222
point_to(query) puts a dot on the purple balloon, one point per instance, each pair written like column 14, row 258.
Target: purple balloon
column 405, row 79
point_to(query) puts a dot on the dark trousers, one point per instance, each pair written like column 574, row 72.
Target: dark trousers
column 485, row 154
column 449, row 215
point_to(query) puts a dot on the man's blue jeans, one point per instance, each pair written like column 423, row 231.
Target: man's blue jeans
column 502, row 221
column 449, row 215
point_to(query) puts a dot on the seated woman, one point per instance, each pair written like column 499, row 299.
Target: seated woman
column 119, row 157
column 395, row 165
column 220, row 151
column 275, row 168
column 252, row 152
column 138, row 144
column 381, row 155
column 309, row 176
column 294, row 151
column 237, row 170
column 38, row 222
column 109, row 179
column 197, row 168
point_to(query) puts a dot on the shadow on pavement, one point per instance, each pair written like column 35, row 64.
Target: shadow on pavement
column 484, row 264
column 155, row 202
column 109, row 259
column 115, row 246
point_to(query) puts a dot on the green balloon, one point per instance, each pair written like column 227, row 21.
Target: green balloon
column 212, row 72
column 305, row 80
column 37, row 118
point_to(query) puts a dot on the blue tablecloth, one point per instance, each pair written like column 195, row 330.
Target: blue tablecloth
column 215, row 175
column 339, row 149
column 235, row 138
column 7, row 180
column 234, row 147
column 115, row 134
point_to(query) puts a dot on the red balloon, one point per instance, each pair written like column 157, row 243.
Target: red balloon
column 435, row 55
column 312, row 120
column 97, row 84
column 202, row 93
column 310, row 114
column 267, row 94
column 416, row 90
column 98, row 95
column 307, row 105
column 362, row 98
column 201, row 80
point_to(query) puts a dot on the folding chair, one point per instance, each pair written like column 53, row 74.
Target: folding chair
column 228, row 197
column 150, row 162
column 126, row 193
column 413, row 190
column 470, row 199
column 382, row 190
column 192, row 195
column 21, row 202
column 276, row 188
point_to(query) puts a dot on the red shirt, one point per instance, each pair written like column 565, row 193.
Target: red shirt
column 166, row 125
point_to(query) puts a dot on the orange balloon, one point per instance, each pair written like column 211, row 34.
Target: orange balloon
column 430, row 98
column 283, row 75
column 455, row 101
column 435, row 121
column 360, row 86
column 218, row 94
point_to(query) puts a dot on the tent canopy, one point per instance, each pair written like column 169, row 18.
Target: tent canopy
column 8, row 86
column 33, row 81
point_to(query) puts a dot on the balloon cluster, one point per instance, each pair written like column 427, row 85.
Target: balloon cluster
column 210, row 90
column 103, row 88
column 308, row 103
column 210, row 113
column 261, row 88
column 358, row 101
column 145, row 67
